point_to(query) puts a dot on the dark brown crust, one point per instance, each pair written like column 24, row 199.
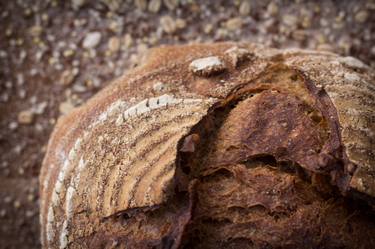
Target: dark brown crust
column 342, row 175
column 269, row 93
column 271, row 209
column 300, row 217
column 281, row 128
column 247, row 198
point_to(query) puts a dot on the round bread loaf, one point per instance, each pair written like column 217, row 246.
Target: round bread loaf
column 227, row 145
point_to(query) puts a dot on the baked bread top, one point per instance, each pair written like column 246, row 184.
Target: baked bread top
column 121, row 150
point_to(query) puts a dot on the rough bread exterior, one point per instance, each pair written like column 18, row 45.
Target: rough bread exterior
column 120, row 153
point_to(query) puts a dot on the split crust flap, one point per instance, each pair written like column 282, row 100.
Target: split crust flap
column 268, row 135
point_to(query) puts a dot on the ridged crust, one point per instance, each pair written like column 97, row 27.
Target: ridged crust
column 124, row 159
column 350, row 85
column 79, row 138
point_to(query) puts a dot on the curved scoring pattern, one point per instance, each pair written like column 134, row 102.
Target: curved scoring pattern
column 65, row 174
column 272, row 118
column 128, row 172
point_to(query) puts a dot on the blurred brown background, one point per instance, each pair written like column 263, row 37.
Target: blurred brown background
column 55, row 54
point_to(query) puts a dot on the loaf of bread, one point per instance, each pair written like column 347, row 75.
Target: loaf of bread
column 227, row 145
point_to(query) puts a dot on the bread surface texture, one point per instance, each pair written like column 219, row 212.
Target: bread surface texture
column 224, row 145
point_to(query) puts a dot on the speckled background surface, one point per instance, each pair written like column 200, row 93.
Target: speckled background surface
column 56, row 54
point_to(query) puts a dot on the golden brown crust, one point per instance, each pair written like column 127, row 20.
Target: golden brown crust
column 348, row 84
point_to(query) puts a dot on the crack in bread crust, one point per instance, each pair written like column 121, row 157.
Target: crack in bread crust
column 252, row 172
column 269, row 155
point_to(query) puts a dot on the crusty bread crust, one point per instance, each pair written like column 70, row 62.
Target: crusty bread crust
column 181, row 98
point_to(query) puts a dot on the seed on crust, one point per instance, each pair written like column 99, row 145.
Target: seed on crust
column 207, row 66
